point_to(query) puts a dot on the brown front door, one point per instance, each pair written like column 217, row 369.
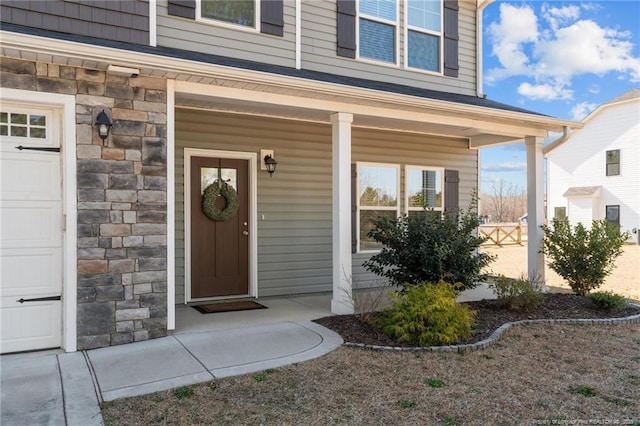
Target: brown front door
column 219, row 249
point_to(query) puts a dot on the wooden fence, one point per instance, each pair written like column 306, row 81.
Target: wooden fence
column 502, row 233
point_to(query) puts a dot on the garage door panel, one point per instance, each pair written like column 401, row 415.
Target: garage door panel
column 33, row 326
column 26, row 272
column 31, row 224
column 30, row 176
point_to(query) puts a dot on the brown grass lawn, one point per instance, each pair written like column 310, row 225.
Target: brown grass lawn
column 625, row 279
column 536, row 374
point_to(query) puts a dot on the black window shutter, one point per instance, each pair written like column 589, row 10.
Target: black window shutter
column 451, row 192
column 271, row 17
column 451, row 37
column 183, row 8
column 354, row 208
column 346, row 28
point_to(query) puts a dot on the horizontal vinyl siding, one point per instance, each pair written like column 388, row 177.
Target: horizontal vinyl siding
column 319, row 52
column 412, row 150
column 207, row 37
column 294, row 239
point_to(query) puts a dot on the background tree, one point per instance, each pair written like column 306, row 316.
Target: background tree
column 505, row 202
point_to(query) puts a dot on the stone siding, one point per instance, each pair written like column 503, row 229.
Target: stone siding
column 122, row 198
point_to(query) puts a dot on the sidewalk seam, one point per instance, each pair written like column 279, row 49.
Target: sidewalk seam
column 94, row 378
column 64, row 401
column 194, row 357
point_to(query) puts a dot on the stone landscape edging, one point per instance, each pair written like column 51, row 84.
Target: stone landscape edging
column 495, row 336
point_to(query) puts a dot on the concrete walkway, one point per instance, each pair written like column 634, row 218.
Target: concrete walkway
column 56, row 388
column 66, row 388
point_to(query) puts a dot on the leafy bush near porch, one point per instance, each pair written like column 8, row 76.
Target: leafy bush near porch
column 427, row 315
column 518, row 294
column 608, row 300
column 429, row 248
column 583, row 257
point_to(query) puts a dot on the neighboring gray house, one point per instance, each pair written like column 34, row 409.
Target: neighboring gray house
column 109, row 234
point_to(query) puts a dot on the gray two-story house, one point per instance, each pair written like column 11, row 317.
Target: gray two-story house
column 138, row 141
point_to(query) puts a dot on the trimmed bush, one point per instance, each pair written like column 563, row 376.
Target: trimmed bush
column 583, row 257
column 427, row 315
column 429, row 247
column 608, row 301
column 518, row 294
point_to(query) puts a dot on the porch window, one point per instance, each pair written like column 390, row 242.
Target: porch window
column 237, row 12
column 378, row 190
column 378, row 24
column 613, row 162
column 424, row 189
column 560, row 213
column 424, row 34
column 613, row 215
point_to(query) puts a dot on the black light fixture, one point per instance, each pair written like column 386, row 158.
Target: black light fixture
column 103, row 124
column 270, row 164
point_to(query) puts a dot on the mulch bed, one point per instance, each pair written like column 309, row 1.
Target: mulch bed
column 490, row 315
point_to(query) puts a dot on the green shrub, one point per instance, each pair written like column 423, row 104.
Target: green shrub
column 429, row 247
column 608, row 301
column 427, row 315
column 583, row 257
column 518, row 294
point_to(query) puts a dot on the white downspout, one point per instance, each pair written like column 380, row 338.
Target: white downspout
column 482, row 4
column 298, row 34
column 153, row 22
column 566, row 132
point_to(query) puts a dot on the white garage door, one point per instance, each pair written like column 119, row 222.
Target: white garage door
column 31, row 230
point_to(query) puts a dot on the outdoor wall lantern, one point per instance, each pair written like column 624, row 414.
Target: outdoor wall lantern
column 270, row 163
column 103, row 124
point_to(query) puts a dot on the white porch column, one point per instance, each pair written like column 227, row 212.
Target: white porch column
column 535, row 206
column 341, row 302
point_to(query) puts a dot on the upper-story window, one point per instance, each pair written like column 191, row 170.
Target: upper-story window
column 237, row 12
column 613, row 162
column 423, row 34
column 378, row 27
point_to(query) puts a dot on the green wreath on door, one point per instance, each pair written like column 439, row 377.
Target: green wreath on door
column 211, row 193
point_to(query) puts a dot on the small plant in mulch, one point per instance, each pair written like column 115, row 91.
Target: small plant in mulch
column 446, row 421
column 404, row 403
column 608, row 301
column 434, row 383
column 518, row 294
column 583, row 390
column 183, row 392
column 427, row 315
column 260, row 377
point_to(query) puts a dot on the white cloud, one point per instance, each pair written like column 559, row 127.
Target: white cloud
column 545, row 92
column 517, row 26
column 505, row 167
column 552, row 54
column 581, row 110
column 557, row 16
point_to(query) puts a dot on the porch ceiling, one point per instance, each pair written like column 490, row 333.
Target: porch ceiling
column 479, row 131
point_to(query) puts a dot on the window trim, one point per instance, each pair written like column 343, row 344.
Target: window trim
column 555, row 212
column 229, row 25
column 395, row 24
column 607, row 164
column 397, row 208
column 406, row 188
column 440, row 36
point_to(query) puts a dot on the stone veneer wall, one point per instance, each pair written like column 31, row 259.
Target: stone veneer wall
column 122, row 188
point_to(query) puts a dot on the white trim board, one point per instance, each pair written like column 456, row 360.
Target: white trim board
column 252, row 157
column 66, row 106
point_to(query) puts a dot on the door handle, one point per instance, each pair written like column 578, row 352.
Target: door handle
column 245, row 233
column 39, row 299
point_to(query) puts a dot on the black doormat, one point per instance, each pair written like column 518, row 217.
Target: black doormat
column 212, row 308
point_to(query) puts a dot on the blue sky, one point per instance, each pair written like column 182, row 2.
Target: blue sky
column 560, row 58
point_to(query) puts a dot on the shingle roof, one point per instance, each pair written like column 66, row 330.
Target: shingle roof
column 631, row 94
column 582, row 191
column 273, row 69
